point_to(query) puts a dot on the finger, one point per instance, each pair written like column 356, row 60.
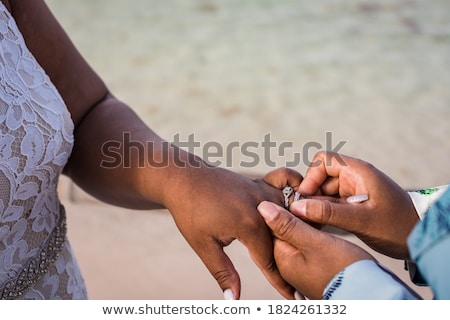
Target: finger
column 220, row 267
column 260, row 248
column 322, row 198
column 281, row 177
column 330, row 186
column 336, row 213
column 314, row 224
column 287, row 256
column 287, row 227
column 323, row 166
column 283, row 250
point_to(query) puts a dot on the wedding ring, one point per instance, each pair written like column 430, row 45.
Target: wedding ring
column 287, row 192
column 297, row 196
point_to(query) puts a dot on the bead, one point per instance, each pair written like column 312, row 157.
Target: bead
column 38, row 265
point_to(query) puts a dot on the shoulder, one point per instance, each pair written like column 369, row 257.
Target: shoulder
column 79, row 85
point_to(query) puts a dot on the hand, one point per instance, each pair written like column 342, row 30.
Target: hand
column 306, row 257
column 383, row 222
column 282, row 177
column 217, row 206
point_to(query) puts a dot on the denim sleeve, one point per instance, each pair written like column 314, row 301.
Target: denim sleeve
column 367, row 280
column 429, row 246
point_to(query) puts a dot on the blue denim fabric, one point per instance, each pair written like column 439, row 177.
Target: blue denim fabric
column 429, row 246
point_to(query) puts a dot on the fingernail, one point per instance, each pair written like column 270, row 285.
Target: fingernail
column 358, row 198
column 298, row 296
column 267, row 209
column 299, row 208
column 228, row 295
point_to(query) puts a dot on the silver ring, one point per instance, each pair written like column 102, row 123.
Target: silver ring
column 287, row 192
column 297, row 196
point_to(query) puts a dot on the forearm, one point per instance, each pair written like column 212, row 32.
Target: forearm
column 118, row 159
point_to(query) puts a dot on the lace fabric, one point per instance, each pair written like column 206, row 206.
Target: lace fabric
column 36, row 139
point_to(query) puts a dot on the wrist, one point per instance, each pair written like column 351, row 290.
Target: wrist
column 368, row 280
column 423, row 199
column 168, row 175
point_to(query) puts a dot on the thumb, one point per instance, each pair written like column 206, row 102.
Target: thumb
column 286, row 226
column 337, row 214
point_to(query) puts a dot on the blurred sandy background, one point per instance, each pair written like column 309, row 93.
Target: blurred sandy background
column 373, row 73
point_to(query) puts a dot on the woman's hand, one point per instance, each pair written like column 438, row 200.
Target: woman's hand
column 213, row 207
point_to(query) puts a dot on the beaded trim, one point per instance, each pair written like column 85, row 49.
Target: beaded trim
column 39, row 265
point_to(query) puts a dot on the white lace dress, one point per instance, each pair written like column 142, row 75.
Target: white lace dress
column 36, row 138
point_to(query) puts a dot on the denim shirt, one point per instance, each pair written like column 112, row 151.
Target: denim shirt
column 429, row 246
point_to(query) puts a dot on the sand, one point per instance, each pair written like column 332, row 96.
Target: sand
column 366, row 78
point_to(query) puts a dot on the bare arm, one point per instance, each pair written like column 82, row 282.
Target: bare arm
column 211, row 206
